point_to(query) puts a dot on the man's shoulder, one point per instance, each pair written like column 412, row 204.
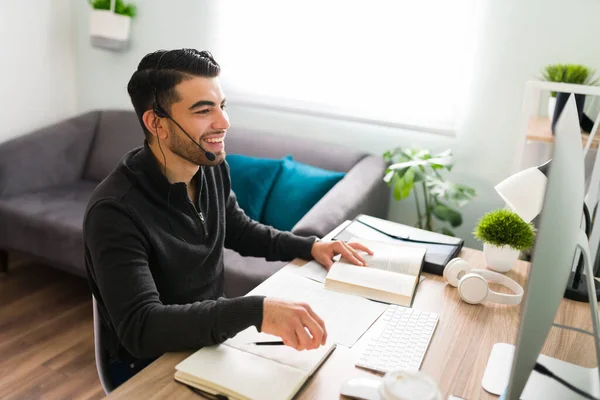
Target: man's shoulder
column 113, row 190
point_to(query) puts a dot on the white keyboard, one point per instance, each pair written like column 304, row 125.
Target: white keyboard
column 402, row 342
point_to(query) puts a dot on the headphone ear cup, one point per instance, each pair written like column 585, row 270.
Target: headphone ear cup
column 473, row 288
column 455, row 270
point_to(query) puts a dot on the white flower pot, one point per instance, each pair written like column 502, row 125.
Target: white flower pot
column 109, row 30
column 551, row 106
column 500, row 259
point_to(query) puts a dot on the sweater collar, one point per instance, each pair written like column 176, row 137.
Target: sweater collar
column 145, row 161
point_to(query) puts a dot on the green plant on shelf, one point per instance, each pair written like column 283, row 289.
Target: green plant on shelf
column 417, row 171
column 569, row 73
column 121, row 8
column 505, row 228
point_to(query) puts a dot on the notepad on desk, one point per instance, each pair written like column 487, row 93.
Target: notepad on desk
column 240, row 370
column 391, row 275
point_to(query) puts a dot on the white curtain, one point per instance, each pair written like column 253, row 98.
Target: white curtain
column 406, row 63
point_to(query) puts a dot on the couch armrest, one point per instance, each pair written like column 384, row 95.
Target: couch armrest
column 361, row 191
column 50, row 156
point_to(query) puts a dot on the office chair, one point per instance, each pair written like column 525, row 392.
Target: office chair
column 101, row 354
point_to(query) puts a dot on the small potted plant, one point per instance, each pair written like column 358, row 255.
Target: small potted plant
column 504, row 235
column 110, row 23
column 568, row 73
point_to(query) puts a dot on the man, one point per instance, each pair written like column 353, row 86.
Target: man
column 155, row 228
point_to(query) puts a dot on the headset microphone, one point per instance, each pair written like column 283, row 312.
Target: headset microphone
column 163, row 114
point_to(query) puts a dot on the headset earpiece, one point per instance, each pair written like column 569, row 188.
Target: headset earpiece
column 159, row 111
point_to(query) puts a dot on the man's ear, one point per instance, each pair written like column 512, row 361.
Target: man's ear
column 155, row 125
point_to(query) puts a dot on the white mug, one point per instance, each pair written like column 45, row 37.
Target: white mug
column 408, row 385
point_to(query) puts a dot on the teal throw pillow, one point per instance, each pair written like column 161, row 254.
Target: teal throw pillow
column 297, row 189
column 251, row 180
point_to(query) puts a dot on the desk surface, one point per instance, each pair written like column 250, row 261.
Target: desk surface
column 456, row 357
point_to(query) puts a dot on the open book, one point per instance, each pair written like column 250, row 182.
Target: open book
column 391, row 275
column 240, row 370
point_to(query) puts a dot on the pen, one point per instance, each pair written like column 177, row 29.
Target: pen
column 276, row 343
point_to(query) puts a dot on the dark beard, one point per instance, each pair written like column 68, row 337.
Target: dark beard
column 187, row 149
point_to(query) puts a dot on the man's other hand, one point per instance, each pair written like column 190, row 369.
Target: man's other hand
column 323, row 252
column 293, row 322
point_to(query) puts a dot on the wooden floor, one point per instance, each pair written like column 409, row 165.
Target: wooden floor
column 46, row 334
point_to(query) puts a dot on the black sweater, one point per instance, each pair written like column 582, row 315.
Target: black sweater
column 156, row 269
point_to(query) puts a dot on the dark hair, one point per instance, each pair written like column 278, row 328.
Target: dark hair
column 159, row 72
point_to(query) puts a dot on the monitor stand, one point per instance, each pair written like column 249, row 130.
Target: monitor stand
column 497, row 372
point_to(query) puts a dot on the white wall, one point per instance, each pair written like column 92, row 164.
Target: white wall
column 102, row 75
column 37, row 65
column 517, row 39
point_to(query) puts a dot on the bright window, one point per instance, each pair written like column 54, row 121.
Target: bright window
column 402, row 63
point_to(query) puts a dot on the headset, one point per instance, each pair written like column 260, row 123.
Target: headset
column 473, row 284
column 162, row 113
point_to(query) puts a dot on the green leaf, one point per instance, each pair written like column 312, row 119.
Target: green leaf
column 445, row 213
column 409, row 179
column 505, row 228
column 419, row 176
column 398, row 184
column 447, row 231
column 389, row 174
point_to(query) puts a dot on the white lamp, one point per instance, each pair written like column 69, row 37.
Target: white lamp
column 524, row 191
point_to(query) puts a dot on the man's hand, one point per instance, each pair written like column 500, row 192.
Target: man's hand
column 290, row 321
column 323, row 252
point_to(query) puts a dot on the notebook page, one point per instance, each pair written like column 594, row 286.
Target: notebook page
column 306, row 360
column 227, row 370
column 346, row 316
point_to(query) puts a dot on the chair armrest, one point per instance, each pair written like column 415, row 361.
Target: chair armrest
column 361, row 191
column 51, row 156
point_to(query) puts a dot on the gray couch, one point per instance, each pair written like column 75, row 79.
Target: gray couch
column 48, row 176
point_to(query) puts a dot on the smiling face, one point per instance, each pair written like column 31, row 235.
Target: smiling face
column 200, row 111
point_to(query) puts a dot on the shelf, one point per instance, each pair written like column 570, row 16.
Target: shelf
column 539, row 129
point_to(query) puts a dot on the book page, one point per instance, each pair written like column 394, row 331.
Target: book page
column 375, row 279
column 346, row 316
column 391, row 257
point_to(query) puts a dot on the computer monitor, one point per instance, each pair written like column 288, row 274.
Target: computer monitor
column 556, row 246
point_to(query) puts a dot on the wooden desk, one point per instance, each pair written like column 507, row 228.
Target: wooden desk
column 456, row 357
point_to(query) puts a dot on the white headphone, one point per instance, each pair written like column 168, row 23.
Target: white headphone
column 473, row 284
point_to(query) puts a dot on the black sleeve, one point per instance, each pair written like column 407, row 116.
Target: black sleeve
column 146, row 327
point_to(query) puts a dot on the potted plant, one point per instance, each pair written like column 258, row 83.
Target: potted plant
column 568, row 73
column 504, row 235
column 110, row 23
column 418, row 171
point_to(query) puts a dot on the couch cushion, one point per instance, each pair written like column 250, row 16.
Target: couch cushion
column 117, row 133
column 242, row 274
column 330, row 156
column 297, row 189
column 48, row 224
column 251, row 180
